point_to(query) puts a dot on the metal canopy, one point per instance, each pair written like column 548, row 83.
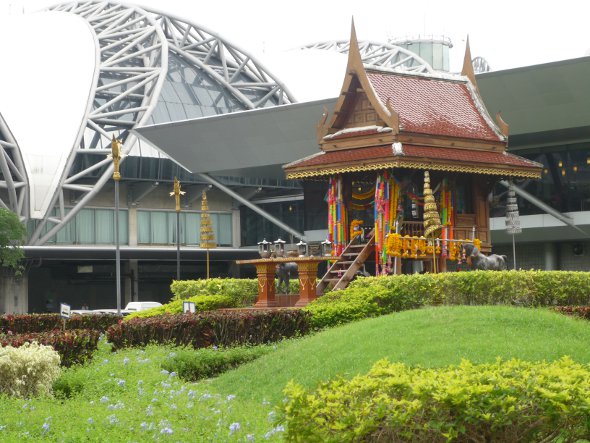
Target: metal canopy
column 242, row 142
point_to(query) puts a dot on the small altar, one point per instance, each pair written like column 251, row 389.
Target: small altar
column 266, row 270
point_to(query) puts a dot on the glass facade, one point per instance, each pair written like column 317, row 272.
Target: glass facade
column 159, row 228
column 189, row 92
column 92, row 226
column 564, row 185
column 254, row 227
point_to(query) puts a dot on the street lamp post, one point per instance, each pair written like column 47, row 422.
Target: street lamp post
column 116, row 154
column 177, row 193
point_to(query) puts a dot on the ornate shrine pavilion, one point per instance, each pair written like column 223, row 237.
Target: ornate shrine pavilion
column 389, row 131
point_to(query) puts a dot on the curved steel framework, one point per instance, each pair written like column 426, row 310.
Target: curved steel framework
column 14, row 186
column 132, row 61
column 379, row 54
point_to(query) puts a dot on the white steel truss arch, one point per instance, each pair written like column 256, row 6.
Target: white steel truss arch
column 379, row 54
column 238, row 72
column 132, row 64
column 14, row 186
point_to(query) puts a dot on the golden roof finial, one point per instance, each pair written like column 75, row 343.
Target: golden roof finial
column 177, row 193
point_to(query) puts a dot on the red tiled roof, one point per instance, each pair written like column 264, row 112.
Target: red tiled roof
column 434, row 106
column 413, row 153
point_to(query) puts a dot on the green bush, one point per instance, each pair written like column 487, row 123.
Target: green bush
column 507, row 401
column 373, row 296
column 28, row 370
column 243, row 291
column 196, row 364
column 202, row 303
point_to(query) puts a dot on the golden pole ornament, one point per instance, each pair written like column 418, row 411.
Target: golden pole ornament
column 432, row 224
column 207, row 240
column 116, row 155
column 177, row 192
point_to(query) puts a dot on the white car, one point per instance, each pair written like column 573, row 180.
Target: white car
column 133, row 306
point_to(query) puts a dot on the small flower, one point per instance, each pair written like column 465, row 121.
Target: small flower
column 233, row 428
column 104, row 399
column 139, row 382
column 90, row 421
column 164, row 371
column 215, row 348
column 191, row 394
column 230, row 397
column 166, row 385
column 173, row 374
column 113, row 419
column 106, row 360
column 126, row 361
column 173, row 406
column 166, row 431
column 206, row 397
column 149, row 412
column 46, row 426
column 250, row 437
column 143, row 426
column 172, row 355
column 121, row 382
column 2, row 427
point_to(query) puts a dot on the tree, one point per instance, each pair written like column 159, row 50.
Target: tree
column 12, row 237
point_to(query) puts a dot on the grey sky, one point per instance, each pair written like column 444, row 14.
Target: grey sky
column 507, row 33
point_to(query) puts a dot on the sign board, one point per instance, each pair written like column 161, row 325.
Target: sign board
column 188, row 306
column 64, row 310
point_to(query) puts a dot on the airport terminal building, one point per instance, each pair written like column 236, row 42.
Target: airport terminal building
column 187, row 103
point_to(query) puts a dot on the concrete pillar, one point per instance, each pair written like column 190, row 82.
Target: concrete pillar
column 14, row 292
column 134, row 279
column 551, row 253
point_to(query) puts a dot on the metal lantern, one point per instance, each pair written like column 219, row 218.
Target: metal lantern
column 280, row 247
column 326, row 247
column 302, row 248
column 264, row 248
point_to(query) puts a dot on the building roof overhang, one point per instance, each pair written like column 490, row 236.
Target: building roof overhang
column 413, row 157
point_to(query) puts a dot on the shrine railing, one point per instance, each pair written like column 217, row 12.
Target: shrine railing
column 416, row 228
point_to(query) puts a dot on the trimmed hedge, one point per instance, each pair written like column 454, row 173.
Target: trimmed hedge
column 204, row 329
column 73, row 346
column 507, row 401
column 243, row 290
column 373, row 296
column 26, row 323
column 202, row 303
column 196, row 364
column 574, row 311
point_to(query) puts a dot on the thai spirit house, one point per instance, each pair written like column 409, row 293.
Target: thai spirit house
column 406, row 163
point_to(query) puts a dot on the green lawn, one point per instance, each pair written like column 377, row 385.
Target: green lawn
column 125, row 396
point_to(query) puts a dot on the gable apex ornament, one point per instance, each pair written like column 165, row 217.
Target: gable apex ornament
column 467, row 69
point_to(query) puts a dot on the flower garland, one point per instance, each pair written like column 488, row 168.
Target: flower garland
column 337, row 216
column 385, row 213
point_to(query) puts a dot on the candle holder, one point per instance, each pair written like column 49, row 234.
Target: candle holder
column 280, row 247
column 264, row 248
column 326, row 247
column 302, row 248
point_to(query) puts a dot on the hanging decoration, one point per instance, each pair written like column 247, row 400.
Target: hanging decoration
column 356, row 229
column 447, row 210
column 385, row 213
column 432, row 225
column 337, row 216
column 512, row 219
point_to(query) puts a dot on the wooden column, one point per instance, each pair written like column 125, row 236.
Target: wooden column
column 266, row 285
column 308, row 272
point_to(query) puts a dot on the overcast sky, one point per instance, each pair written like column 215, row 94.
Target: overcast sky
column 507, row 34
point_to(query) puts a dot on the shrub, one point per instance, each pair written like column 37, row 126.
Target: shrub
column 193, row 365
column 25, row 323
column 243, row 290
column 574, row 311
column 204, row 329
column 73, row 346
column 202, row 303
column 28, row 370
column 508, row 401
column 372, row 296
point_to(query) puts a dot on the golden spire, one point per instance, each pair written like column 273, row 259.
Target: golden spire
column 177, row 193
column 116, row 154
column 432, row 225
